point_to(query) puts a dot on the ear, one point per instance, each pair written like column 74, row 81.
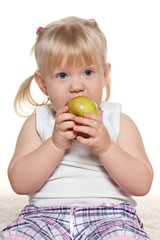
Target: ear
column 107, row 72
column 40, row 81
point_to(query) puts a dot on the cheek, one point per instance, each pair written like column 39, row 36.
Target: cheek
column 56, row 96
column 96, row 95
column 58, row 100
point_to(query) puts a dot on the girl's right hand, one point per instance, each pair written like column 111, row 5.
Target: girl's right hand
column 63, row 133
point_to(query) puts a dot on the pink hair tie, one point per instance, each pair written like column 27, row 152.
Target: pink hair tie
column 92, row 19
column 38, row 30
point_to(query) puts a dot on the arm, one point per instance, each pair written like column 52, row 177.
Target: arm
column 34, row 162
column 126, row 161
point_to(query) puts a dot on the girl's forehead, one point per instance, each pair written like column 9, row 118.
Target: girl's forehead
column 75, row 61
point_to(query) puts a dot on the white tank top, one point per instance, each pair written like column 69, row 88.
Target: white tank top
column 80, row 179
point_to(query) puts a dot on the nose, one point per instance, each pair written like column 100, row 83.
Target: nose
column 76, row 85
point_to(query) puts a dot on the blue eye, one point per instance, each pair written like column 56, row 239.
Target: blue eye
column 62, row 75
column 88, row 73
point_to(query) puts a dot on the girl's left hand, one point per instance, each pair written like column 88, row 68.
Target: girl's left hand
column 99, row 139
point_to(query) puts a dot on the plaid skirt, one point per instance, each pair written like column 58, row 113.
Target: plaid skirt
column 106, row 221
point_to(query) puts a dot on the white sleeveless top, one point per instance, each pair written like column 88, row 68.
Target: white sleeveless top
column 80, row 179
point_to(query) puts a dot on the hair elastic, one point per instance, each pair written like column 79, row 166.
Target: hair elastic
column 92, row 19
column 38, row 30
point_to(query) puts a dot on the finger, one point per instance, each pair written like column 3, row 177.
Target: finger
column 87, row 122
column 86, row 130
column 64, row 126
column 69, row 135
column 61, row 117
column 101, row 113
column 93, row 117
column 84, row 141
column 62, row 110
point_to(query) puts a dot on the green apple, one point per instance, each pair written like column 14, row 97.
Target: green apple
column 81, row 104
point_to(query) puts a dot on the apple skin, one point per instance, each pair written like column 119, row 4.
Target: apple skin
column 81, row 104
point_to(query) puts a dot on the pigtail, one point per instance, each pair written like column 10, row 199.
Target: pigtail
column 108, row 92
column 108, row 89
column 24, row 98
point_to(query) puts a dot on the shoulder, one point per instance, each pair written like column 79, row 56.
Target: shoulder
column 127, row 124
column 28, row 138
column 129, row 137
column 29, row 126
column 29, row 123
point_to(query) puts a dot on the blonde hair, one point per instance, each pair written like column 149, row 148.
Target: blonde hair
column 81, row 39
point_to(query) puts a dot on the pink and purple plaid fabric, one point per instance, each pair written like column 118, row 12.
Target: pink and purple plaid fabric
column 66, row 223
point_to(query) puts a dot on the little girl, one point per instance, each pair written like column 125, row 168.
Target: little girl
column 79, row 187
